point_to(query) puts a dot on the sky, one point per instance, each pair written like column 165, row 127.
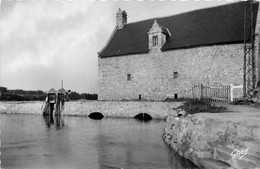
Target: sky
column 45, row 41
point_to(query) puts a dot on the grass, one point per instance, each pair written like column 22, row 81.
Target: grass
column 247, row 102
column 193, row 106
column 257, row 105
column 242, row 102
column 177, row 100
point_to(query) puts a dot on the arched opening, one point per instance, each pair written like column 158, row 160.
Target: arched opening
column 143, row 117
column 96, row 116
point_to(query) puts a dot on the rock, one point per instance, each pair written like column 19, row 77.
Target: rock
column 182, row 113
column 256, row 133
column 204, row 146
column 202, row 154
column 222, row 154
column 209, row 139
column 214, row 164
column 254, row 147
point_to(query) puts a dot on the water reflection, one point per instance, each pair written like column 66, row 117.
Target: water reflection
column 85, row 143
column 142, row 121
column 178, row 162
column 136, row 147
column 57, row 121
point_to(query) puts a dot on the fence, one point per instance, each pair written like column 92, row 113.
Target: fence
column 236, row 91
column 217, row 93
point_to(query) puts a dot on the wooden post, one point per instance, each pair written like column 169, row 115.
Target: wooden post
column 258, row 94
column 192, row 91
column 57, row 103
column 49, row 104
column 200, row 91
column 228, row 91
column 60, row 108
column 232, row 92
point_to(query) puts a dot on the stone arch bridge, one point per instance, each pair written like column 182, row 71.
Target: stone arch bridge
column 128, row 109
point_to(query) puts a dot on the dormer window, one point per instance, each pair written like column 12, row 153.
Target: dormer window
column 157, row 36
column 155, row 41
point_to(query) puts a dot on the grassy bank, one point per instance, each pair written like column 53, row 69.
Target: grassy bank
column 193, row 106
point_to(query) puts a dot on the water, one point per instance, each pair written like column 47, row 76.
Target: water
column 33, row 142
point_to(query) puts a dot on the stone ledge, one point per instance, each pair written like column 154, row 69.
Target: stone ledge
column 209, row 139
column 127, row 109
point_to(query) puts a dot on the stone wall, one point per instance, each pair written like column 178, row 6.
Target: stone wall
column 210, row 140
column 159, row 110
column 152, row 74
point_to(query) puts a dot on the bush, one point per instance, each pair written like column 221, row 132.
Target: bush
column 257, row 105
column 15, row 97
column 176, row 100
column 243, row 102
column 193, row 106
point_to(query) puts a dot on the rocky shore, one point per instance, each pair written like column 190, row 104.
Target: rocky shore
column 215, row 141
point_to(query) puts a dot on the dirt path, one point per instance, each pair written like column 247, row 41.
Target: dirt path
column 243, row 109
column 240, row 108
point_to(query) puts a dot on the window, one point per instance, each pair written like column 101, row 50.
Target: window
column 175, row 75
column 128, row 77
column 175, row 96
column 155, row 40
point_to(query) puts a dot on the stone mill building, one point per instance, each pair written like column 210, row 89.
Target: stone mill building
column 164, row 57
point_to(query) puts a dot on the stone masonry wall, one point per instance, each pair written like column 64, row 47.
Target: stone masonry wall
column 157, row 110
column 152, row 74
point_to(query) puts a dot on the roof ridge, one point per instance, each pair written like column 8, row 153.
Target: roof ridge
column 186, row 12
column 200, row 27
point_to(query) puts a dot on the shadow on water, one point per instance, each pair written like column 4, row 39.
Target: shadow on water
column 56, row 121
column 178, row 162
column 109, row 143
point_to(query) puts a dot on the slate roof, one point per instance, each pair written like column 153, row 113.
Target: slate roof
column 51, row 91
column 62, row 90
column 217, row 25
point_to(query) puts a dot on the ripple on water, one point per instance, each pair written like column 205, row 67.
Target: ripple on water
column 77, row 142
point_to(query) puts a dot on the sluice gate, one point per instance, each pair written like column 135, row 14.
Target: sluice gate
column 55, row 102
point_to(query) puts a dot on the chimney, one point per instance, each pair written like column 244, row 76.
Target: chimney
column 121, row 19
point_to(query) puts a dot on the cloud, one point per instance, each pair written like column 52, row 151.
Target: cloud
column 22, row 21
column 44, row 42
column 58, row 40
